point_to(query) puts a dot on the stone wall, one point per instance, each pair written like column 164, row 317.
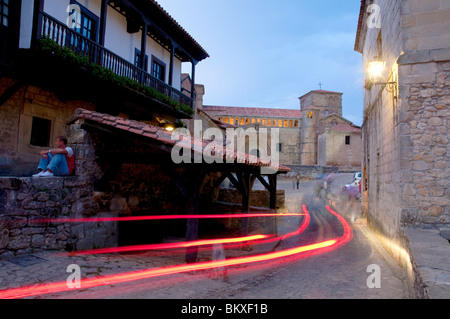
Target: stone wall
column 405, row 139
column 17, row 156
column 258, row 198
column 425, row 153
column 332, row 150
column 25, row 200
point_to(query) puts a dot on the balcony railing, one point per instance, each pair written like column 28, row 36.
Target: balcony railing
column 66, row 37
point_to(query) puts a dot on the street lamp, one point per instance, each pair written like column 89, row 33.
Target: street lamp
column 376, row 69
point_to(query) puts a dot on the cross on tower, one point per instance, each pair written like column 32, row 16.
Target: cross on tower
column 320, row 85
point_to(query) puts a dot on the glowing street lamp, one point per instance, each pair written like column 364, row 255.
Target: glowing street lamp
column 376, row 69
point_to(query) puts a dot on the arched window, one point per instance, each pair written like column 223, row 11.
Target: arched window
column 280, row 123
column 296, row 124
column 253, row 121
column 232, row 121
column 264, row 122
column 269, row 122
column 285, row 123
column 242, row 121
column 259, row 121
column 248, row 122
column 220, row 119
column 291, row 123
column 326, row 113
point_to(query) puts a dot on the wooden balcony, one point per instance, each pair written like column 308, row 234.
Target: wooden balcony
column 51, row 28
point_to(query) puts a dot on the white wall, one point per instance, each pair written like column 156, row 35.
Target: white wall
column 117, row 39
column 26, row 25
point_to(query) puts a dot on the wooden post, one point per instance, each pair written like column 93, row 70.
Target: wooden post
column 192, row 230
column 143, row 49
column 273, row 198
column 194, row 62
column 37, row 22
column 172, row 58
column 102, row 30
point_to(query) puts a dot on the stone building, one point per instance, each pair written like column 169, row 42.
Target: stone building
column 113, row 56
column 315, row 134
column 406, row 171
column 107, row 74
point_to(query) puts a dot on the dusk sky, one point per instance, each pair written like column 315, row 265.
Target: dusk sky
column 268, row 53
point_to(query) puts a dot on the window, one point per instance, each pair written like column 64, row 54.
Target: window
column 226, row 120
column 296, row 124
column 291, row 123
column 347, row 140
column 138, row 59
column 158, row 69
column 84, row 22
column 280, row 123
column 40, row 132
column 264, row 122
column 242, row 121
column 280, row 147
column 285, row 123
column 4, row 12
column 326, row 113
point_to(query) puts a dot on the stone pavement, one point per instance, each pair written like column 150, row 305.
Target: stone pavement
column 324, row 276
column 430, row 254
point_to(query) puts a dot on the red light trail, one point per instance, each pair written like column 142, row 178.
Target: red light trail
column 161, row 217
column 321, row 247
column 256, row 239
column 170, row 245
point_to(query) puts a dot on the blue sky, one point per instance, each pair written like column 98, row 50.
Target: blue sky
column 268, row 53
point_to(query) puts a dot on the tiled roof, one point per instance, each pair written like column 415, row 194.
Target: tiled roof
column 164, row 137
column 345, row 128
column 252, row 112
column 205, row 54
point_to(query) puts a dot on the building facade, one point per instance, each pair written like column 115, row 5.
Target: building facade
column 117, row 57
column 315, row 134
column 405, row 163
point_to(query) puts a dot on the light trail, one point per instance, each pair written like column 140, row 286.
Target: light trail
column 149, row 218
column 321, row 247
column 256, row 240
column 169, row 245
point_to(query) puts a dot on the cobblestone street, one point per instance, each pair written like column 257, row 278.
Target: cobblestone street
column 337, row 274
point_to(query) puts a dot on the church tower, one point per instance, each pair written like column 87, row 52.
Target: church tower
column 315, row 105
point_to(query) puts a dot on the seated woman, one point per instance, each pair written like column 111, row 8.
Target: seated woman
column 59, row 161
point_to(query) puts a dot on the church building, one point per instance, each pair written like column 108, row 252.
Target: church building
column 314, row 134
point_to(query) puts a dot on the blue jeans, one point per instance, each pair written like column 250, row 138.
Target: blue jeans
column 57, row 164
